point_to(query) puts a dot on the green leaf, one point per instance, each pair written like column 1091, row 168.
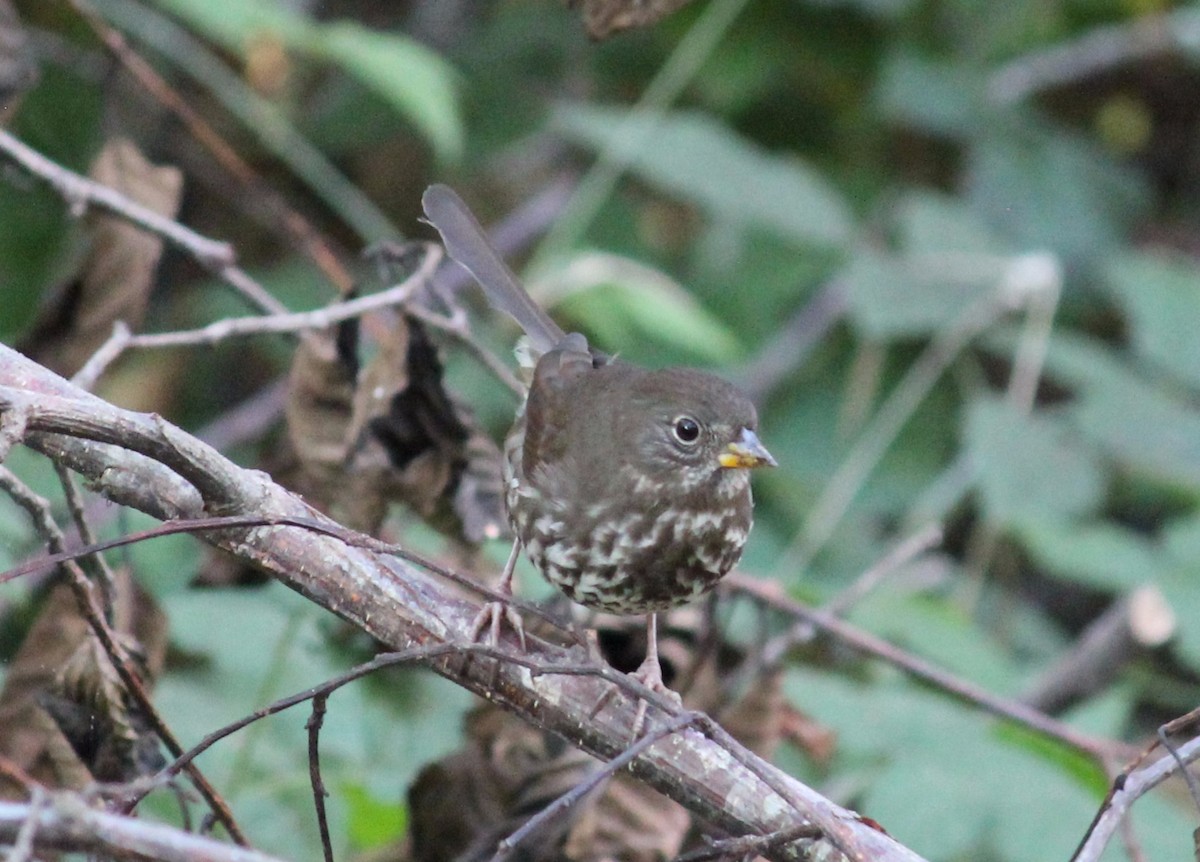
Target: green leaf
column 1181, row 539
column 1161, row 296
column 930, row 222
column 892, row 297
column 1135, row 420
column 1152, row 431
column 940, row 632
column 698, row 159
column 1014, row 454
column 938, row 97
column 1097, row 554
column 1181, row 588
column 1181, row 584
column 235, row 24
column 1053, row 189
column 625, row 303
column 163, row 565
column 373, row 822
column 250, row 647
column 919, row 757
column 415, row 81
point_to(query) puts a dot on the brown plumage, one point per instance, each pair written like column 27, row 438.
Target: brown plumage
column 629, row 489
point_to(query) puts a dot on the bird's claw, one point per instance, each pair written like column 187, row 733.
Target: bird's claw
column 649, row 674
column 489, row 619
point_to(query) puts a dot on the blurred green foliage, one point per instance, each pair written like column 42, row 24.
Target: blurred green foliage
column 982, row 184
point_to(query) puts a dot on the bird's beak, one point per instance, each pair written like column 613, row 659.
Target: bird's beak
column 746, row 452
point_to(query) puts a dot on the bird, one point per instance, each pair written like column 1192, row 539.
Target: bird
column 628, row 488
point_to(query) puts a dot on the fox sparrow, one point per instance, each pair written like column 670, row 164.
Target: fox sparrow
column 628, row 488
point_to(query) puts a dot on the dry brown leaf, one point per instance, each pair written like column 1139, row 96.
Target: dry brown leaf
column 117, row 272
column 630, row 821
column 60, row 663
column 319, row 403
column 388, row 433
column 508, row 771
column 602, row 18
column 29, row 737
column 88, row 703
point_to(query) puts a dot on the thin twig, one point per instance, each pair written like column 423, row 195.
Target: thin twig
column 284, row 322
column 79, row 192
column 960, row 689
column 590, row 782
column 69, row 823
column 424, row 655
column 1189, row 779
column 38, row 509
column 1127, row 789
column 298, row 321
column 775, row 650
column 903, row 553
column 22, row 848
column 791, row 345
column 745, row 845
column 326, row 528
column 105, row 578
column 315, row 720
column 636, row 130
column 1033, row 281
column 706, row 771
column 457, row 328
column 873, row 443
column 302, row 232
column 106, row 354
column 1096, row 51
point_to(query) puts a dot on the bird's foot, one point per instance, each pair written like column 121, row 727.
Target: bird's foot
column 649, row 674
column 490, row 617
column 491, row 614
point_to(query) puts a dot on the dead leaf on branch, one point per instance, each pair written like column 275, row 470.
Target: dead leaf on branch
column 602, row 18
column 389, row 432
column 117, row 273
column 64, row 715
column 507, row 770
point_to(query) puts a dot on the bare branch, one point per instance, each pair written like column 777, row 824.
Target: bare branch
column 583, row 788
column 1128, row 789
column 1095, row 52
column 404, row 607
column 961, row 689
column 774, row 651
column 79, row 192
column 22, row 849
column 285, row 322
column 320, row 794
column 66, row 822
column 38, row 509
column 306, row 237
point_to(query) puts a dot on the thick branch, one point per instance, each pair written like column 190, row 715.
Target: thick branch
column 65, row 822
column 404, row 607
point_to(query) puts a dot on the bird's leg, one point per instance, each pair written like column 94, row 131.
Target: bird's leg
column 493, row 612
column 649, row 674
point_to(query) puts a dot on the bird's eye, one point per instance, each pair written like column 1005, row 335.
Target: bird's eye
column 686, row 430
